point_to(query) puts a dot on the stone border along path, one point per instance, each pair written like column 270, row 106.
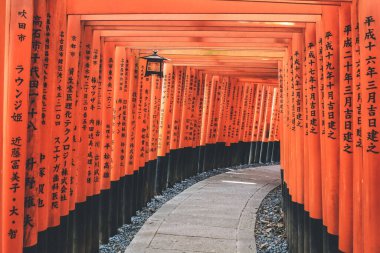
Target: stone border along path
column 215, row 215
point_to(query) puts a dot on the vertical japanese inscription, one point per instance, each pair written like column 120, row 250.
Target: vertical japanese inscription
column 329, row 86
column 371, row 134
column 311, row 62
column 16, row 122
column 347, row 93
column 34, row 127
column 107, row 102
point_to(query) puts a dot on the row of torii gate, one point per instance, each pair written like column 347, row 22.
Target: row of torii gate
column 88, row 138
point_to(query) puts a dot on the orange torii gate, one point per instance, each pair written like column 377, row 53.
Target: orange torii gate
column 88, row 139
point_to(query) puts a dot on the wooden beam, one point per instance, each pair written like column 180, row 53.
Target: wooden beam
column 186, row 6
column 256, row 17
column 195, row 23
column 196, row 34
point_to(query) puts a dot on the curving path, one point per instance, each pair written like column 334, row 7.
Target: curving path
column 214, row 215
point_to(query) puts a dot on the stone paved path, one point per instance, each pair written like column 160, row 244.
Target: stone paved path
column 214, row 215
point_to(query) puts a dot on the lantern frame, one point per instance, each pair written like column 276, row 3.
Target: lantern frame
column 154, row 58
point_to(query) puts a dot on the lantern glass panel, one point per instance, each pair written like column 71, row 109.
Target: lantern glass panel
column 153, row 66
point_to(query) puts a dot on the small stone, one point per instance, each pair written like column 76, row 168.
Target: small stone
column 269, row 229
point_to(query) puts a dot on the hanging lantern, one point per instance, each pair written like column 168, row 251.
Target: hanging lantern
column 154, row 64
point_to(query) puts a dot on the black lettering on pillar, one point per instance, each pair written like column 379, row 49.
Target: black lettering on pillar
column 108, row 128
column 347, row 94
column 322, row 87
column 298, row 89
column 371, row 87
column 42, row 176
column 329, row 86
column 293, row 109
column 312, row 83
column 305, row 93
column 358, row 92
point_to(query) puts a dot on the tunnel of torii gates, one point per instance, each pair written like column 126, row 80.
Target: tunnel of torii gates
column 87, row 139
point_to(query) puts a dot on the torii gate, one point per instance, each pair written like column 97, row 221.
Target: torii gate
column 301, row 72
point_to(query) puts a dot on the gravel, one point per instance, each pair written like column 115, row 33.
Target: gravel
column 119, row 242
column 270, row 228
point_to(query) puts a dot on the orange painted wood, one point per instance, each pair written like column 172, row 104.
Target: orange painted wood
column 222, row 109
column 314, row 142
column 274, row 134
column 369, row 50
column 267, row 115
column 192, row 104
column 211, row 113
column 257, row 106
column 292, row 158
column 322, row 110
column 164, row 108
column 146, row 126
column 226, row 113
column 142, row 82
column 357, row 134
column 244, row 114
column 331, row 92
column 4, row 42
column 287, row 115
column 56, row 73
column 95, row 115
column 34, row 127
column 108, row 52
column 206, row 109
column 142, row 98
column 82, row 120
column 240, row 110
column 287, row 109
column 273, row 116
column 186, row 118
column 92, row 91
column 172, row 6
column 200, row 85
column 72, row 104
column 69, row 173
column 306, row 116
column 261, row 115
column 179, row 73
column 46, row 133
column 154, row 116
column 234, row 76
column 297, row 47
column 15, row 125
column 131, row 112
column 119, row 114
column 281, row 126
column 216, row 112
column 249, row 125
column 346, row 130
column 169, row 114
column 231, row 113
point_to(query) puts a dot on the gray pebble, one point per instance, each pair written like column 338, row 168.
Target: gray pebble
column 270, row 229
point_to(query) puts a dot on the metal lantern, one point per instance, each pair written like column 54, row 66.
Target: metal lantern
column 154, row 64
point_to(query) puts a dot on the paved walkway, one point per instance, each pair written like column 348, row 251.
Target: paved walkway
column 214, row 215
